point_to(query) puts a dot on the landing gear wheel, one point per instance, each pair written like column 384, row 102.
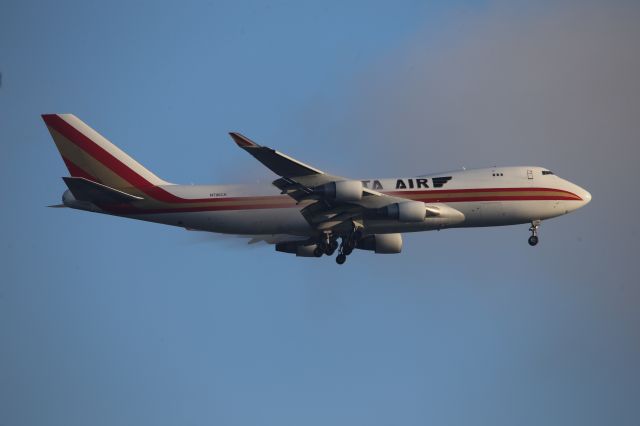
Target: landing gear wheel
column 318, row 252
column 341, row 258
column 347, row 246
column 533, row 239
column 331, row 248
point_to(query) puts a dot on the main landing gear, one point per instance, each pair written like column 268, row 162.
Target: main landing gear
column 533, row 239
column 329, row 244
column 349, row 242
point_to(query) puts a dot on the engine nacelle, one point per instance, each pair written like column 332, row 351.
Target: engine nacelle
column 407, row 211
column 297, row 248
column 381, row 243
column 342, row 191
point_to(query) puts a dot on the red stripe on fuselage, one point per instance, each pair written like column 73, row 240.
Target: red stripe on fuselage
column 496, row 198
column 284, row 204
column 130, row 210
column 160, row 194
column 458, row 191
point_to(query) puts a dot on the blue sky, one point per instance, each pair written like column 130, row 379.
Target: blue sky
column 107, row 321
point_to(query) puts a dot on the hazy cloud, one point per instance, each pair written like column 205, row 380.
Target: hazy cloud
column 556, row 86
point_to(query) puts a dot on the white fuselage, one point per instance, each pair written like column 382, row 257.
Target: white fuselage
column 486, row 197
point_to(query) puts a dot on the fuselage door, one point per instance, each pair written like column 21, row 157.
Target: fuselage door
column 529, row 174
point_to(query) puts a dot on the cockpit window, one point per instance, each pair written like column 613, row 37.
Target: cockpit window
column 547, row 172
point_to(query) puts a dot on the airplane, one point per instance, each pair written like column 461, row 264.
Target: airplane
column 306, row 211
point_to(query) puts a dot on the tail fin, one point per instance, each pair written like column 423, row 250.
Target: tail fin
column 89, row 155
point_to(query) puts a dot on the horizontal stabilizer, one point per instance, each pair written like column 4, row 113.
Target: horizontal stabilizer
column 87, row 190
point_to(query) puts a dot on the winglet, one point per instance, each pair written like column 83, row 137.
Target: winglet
column 243, row 141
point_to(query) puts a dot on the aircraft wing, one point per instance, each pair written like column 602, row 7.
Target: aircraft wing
column 295, row 175
column 304, row 183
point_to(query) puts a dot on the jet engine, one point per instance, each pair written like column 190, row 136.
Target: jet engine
column 381, row 243
column 341, row 191
column 407, row 211
column 297, row 248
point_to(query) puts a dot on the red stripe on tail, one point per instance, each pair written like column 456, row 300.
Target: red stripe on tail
column 108, row 160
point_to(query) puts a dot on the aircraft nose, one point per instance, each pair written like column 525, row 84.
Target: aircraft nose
column 585, row 195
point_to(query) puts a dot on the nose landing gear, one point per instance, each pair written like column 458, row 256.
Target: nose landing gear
column 533, row 239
